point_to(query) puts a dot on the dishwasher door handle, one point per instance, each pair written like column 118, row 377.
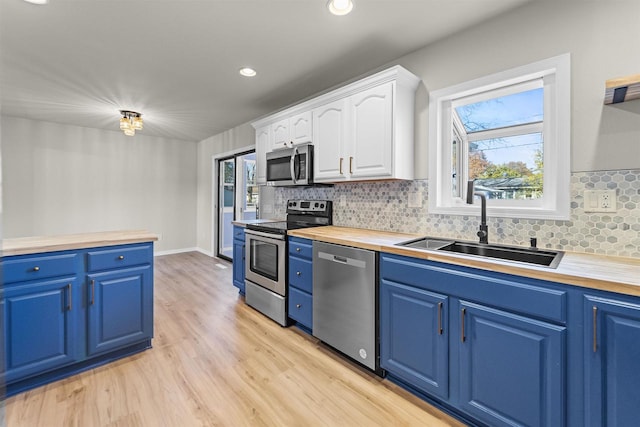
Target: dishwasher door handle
column 342, row 260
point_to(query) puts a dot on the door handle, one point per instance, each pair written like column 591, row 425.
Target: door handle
column 93, row 292
column 292, row 164
column 462, row 315
column 69, row 297
column 440, row 318
column 340, row 165
column 351, row 165
column 595, row 329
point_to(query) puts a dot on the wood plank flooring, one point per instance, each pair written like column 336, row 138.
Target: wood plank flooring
column 217, row 362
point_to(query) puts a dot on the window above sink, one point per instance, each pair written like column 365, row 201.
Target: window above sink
column 511, row 133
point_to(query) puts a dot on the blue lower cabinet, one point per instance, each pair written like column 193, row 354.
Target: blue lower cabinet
column 238, row 258
column 612, row 361
column 300, row 283
column 40, row 322
column 512, row 368
column 414, row 337
column 301, row 307
column 94, row 311
column 120, row 309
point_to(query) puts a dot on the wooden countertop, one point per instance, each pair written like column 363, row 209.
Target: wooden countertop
column 244, row 222
column 39, row 244
column 615, row 274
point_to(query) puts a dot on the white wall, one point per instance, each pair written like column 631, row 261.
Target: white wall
column 60, row 179
column 233, row 140
column 602, row 38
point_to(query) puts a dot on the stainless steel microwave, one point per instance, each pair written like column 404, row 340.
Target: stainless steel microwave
column 292, row 166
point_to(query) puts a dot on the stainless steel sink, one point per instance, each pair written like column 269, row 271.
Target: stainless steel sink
column 545, row 258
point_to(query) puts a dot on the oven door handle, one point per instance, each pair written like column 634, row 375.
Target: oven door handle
column 266, row 235
column 292, row 164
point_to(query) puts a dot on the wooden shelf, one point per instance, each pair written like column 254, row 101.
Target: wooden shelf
column 622, row 89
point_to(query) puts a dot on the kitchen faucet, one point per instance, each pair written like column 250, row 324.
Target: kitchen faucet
column 483, row 232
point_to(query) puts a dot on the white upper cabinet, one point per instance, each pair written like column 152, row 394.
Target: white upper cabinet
column 362, row 131
column 329, row 134
column 292, row 131
column 263, row 142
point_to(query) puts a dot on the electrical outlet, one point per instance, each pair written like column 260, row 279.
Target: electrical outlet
column 159, row 236
column 415, row 201
column 343, row 200
column 600, row 201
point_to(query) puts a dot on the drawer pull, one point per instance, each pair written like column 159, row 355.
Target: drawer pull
column 93, row 292
column 298, row 273
column 440, row 318
column 298, row 305
column 462, row 313
column 36, row 268
column 121, row 257
column 69, row 301
column 297, row 249
column 351, row 165
column 595, row 329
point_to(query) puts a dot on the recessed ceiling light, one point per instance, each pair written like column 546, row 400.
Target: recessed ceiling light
column 340, row 7
column 247, row 72
column 37, row 1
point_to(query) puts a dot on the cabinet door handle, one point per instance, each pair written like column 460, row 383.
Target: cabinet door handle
column 440, row 318
column 69, row 305
column 340, row 165
column 297, row 249
column 595, row 328
column 36, row 268
column 350, row 164
column 93, row 292
column 121, row 257
column 297, row 273
column 462, row 313
column 298, row 305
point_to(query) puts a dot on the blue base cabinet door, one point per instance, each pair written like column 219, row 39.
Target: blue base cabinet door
column 612, row 362
column 414, row 336
column 120, row 308
column 512, row 368
column 238, row 258
column 39, row 320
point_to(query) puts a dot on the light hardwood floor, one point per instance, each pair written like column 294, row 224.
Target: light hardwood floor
column 217, row 362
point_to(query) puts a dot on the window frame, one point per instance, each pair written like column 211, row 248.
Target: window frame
column 555, row 203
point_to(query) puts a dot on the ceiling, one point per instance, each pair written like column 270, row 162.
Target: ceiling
column 80, row 61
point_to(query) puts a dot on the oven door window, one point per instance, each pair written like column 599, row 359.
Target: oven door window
column 264, row 259
column 279, row 169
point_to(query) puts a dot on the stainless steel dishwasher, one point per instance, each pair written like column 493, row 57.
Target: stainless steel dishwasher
column 345, row 301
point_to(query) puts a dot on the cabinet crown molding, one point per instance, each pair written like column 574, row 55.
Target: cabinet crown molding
column 397, row 73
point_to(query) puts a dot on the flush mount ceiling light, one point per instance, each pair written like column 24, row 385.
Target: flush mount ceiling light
column 247, row 72
column 37, row 1
column 130, row 122
column 340, row 7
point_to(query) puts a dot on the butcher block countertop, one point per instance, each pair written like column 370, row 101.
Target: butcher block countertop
column 33, row 245
column 615, row 274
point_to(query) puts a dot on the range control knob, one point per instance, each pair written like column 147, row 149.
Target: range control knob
column 321, row 205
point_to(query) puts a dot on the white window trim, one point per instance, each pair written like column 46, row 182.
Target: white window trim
column 557, row 154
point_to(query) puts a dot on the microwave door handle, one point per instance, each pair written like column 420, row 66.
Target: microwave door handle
column 292, row 164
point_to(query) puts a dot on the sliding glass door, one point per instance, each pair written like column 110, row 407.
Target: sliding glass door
column 237, row 197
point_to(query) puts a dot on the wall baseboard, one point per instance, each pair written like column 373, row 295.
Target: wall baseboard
column 207, row 253
column 176, row 251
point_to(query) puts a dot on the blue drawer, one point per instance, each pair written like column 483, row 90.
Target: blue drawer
column 301, row 274
column 300, row 247
column 301, row 307
column 119, row 257
column 34, row 267
column 238, row 232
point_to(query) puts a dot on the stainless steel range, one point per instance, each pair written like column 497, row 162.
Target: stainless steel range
column 266, row 255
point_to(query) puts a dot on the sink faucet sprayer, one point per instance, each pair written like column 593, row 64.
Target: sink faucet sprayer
column 483, row 232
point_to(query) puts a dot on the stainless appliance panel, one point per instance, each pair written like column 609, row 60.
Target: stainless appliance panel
column 289, row 167
column 265, row 256
column 268, row 303
column 344, row 300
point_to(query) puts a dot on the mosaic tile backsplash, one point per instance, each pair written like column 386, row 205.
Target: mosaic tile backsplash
column 384, row 206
